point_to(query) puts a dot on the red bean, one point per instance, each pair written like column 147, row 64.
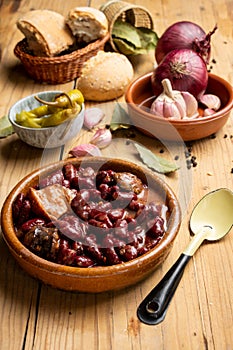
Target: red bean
column 128, row 252
column 121, row 229
column 55, row 178
column 95, row 253
column 78, row 247
column 17, row 206
column 68, row 257
column 111, row 256
column 116, row 214
column 97, row 223
column 70, row 226
column 28, row 225
column 158, row 227
column 84, row 261
column 105, row 177
column 100, row 216
column 25, row 211
column 135, row 205
column 70, row 172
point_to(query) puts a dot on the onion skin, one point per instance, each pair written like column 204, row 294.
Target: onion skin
column 186, row 71
column 184, row 35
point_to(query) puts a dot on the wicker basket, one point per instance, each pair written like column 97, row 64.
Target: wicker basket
column 59, row 69
column 136, row 15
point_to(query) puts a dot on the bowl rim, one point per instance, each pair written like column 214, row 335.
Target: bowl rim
column 15, row 245
column 150, row 116
column 11, row 117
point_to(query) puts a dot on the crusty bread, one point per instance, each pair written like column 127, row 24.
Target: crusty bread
column 46, row 32
column 105, row 76
column 87, row 23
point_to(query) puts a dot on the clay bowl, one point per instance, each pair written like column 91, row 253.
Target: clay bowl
column 139, row 97
column 93, row 279
column 49, row 137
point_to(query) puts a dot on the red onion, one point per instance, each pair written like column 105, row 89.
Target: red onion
column 184, row 35
column 186, row 71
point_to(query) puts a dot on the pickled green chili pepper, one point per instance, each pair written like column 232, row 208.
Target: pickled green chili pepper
column 32, row 123
column 24, row 115
column 28, row 119
column 65, row 100
column 60, row 117
column 43, row 110
column 75, row 96
column 65, row 106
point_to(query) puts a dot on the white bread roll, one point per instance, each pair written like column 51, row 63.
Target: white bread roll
column 87, row 23
column 46, row 32
column 105, row 76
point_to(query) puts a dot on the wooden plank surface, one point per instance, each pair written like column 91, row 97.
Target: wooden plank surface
column 34, row 316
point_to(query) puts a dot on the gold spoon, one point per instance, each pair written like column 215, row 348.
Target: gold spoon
column 211, row 219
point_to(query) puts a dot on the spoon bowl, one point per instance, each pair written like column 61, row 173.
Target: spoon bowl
column 211, row 219
column 210, row 212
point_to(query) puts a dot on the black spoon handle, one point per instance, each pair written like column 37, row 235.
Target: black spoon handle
column 153, row 308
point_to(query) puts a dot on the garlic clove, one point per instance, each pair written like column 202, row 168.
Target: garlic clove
column 180, row 104
column 157, row 108
column 191, row 105
column 171, row 110
column 210, row 101
column 102, row 138
column 92, row 116
column 208, row 111
column 85, row 150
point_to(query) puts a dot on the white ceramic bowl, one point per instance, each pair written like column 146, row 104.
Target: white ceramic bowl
column 49, row 137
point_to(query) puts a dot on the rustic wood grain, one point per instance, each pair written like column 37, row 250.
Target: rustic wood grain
column 200, row 316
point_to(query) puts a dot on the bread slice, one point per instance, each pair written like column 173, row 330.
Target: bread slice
column 46, row 32
column 87, row 23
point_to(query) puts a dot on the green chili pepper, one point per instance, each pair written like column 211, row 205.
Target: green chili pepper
column 60, row 117
column 65, row 106
column 28, row 119
column 65, row 100
column 43, row 110
column 24, row 115
column 75, row 96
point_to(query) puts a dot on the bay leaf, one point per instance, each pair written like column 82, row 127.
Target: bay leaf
column 120, row 118
column 148, row 38
column 126, row 31
column 159, row 164
column 127, row 49
column 6, row 128
column 132, row 40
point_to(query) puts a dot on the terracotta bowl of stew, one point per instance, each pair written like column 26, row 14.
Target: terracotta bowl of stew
column 139, row 97
column 103, row 276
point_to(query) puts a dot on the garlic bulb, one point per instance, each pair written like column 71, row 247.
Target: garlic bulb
column 102, row 138
column 173, row 104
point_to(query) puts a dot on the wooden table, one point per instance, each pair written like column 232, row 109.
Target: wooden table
column 200, row 316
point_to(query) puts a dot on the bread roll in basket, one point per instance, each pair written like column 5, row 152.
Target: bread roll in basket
column 48, row 59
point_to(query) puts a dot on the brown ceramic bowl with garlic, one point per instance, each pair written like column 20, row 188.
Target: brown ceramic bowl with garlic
column 139, row 97
column 97, row 278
